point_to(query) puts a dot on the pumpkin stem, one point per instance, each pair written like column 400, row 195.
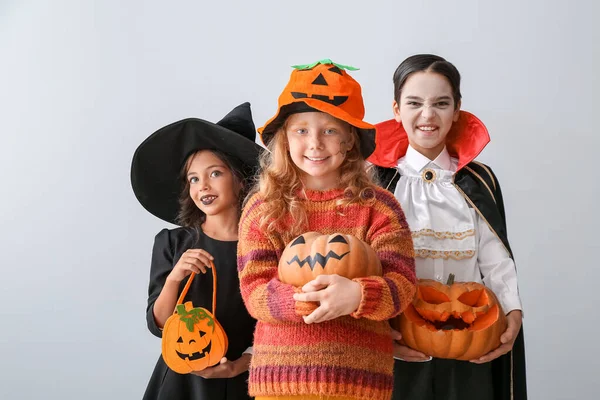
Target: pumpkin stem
column 450, row 280
column 324, row 61
column 193, row 316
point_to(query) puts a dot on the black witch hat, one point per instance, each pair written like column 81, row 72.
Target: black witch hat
column 157, row 162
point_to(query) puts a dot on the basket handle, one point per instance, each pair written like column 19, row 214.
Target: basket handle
column 189, row 283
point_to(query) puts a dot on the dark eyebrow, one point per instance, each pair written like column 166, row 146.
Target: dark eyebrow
column 209, row 167
column 437, row 98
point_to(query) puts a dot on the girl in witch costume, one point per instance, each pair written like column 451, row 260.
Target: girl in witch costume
column 453, row 204
column 193, row 173
column 330, row 338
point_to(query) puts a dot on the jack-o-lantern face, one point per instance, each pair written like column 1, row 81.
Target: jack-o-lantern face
column 312, row 254
column 460, row 321
column 325, row 83
column 192, row 340
column 319, row 80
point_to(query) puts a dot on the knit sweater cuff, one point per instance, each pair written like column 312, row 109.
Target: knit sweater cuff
column 304, row 308
column 371, row 297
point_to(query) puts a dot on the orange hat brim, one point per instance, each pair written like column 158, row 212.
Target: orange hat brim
column 367, row 132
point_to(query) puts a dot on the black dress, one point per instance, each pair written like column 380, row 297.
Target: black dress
column 231, row 313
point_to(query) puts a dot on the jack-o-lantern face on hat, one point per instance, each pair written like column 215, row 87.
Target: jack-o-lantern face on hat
column 326, row 87
column 462, row 320
column 312, row 254
column 319, row 87
column 192, row 340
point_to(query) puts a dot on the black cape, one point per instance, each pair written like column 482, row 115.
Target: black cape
column 478, row 184
column 231, row 313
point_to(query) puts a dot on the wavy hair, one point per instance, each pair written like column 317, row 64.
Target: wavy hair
column 281, row 186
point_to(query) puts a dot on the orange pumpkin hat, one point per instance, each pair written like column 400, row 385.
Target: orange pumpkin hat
column 323, row 86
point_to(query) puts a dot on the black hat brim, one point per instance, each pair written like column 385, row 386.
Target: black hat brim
column 157, row 162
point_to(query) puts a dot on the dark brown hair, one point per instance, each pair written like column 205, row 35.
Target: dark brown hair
column 427, row 63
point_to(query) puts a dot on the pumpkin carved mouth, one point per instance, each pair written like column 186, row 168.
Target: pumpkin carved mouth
column 470, row 311
column 336, row 101
column 318, row 258
column 197, row 355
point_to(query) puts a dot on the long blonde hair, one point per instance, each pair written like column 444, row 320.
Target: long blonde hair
column 279, row 184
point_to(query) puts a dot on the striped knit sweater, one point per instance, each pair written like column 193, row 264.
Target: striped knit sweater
column 350, row 355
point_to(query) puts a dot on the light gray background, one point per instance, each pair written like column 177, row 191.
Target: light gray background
column 82, row 83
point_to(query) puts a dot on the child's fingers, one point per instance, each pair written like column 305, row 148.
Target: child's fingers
column 507, row 336
column 514, row 319
column 200, row 258
column 407, row 354
column 199, row 268
column 310, row 296
column 315, row 285
column 316, row 315
column 199, row 262
column 201, row 252
column 395, row 334
column 415, row 359
column 503, row 349
column 194, row 266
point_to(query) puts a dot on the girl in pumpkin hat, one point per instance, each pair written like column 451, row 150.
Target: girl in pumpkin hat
column 329, row 338
column 194, row 173
column 425, row 156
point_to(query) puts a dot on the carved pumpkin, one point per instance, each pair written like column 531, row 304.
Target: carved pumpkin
column 192, row 338
column 312, row 254
column 461, row 320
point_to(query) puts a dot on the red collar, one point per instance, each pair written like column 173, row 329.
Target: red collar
column 466, row 139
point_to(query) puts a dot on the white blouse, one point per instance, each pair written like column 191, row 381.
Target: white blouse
column 449, row 236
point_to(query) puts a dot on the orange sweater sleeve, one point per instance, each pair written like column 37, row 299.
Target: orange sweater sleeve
column 265, row 296
column 390, row 237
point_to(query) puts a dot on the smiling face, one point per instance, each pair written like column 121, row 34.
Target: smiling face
column 212, row 185
column 318, row 144
column 426, row 109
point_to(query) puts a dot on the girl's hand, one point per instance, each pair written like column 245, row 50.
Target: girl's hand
column 406, row 353
column 337, row 296
column 193, row 260
column 507, row 340
column 226, row 368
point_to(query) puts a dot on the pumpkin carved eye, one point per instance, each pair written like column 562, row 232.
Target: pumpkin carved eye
column 338, row 239
column 461, row 320
column 298, row 240
column 313, row 254
column 320, row 80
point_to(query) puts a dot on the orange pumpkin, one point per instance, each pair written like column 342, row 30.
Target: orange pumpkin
column 312, row 254
column 461, row 320
column 192, row 338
